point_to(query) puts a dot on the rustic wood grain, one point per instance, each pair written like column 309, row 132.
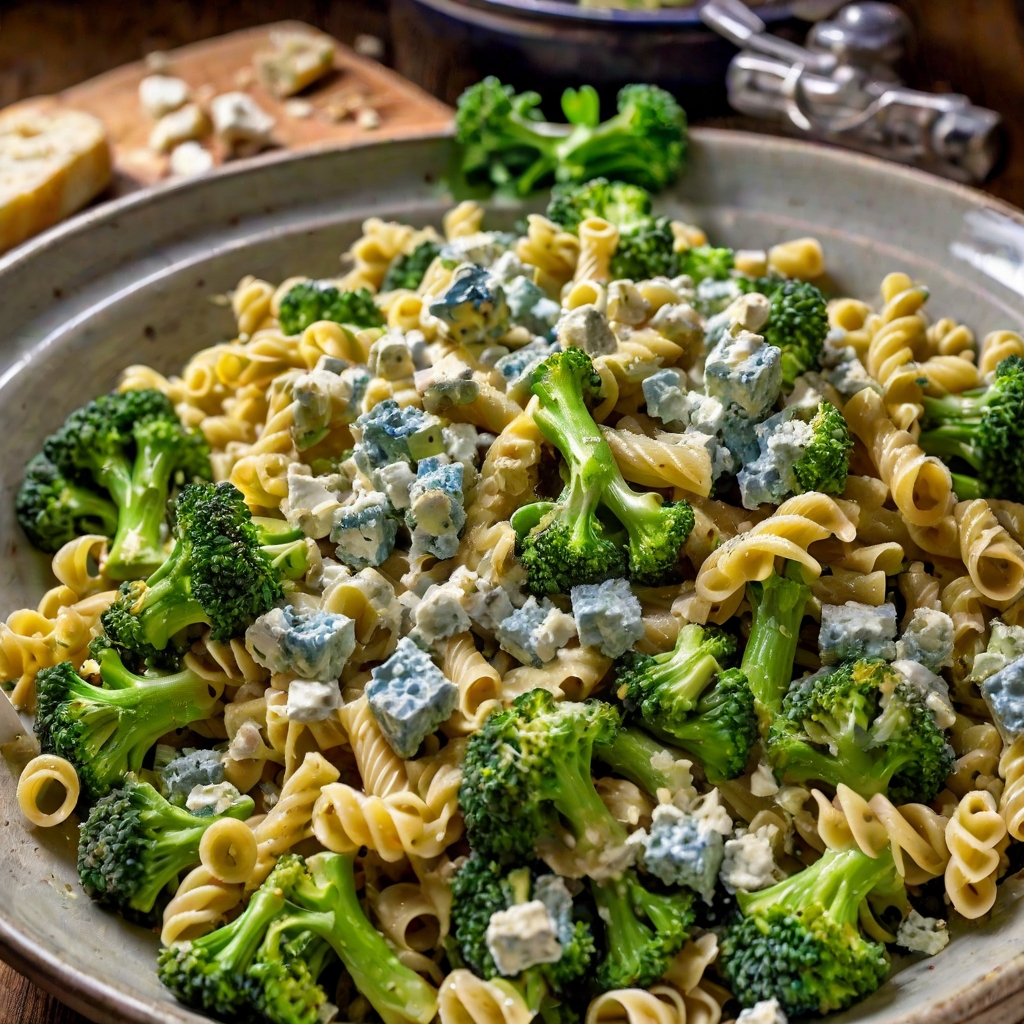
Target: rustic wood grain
column 225, row 64
column 22, row 1003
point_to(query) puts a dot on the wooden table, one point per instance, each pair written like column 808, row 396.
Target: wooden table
column 974, row 46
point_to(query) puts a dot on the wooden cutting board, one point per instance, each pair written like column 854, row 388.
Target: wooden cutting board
column 224, row 64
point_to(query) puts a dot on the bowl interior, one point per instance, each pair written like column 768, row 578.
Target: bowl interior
column 139, row 281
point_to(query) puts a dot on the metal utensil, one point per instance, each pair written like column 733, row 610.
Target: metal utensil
column 843, row 88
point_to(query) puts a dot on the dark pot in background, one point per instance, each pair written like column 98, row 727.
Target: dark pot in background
column 546, row 45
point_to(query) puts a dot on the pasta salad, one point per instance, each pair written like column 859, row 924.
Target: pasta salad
column 580, row 620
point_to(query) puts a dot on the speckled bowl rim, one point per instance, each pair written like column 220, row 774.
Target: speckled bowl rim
column 994, row 998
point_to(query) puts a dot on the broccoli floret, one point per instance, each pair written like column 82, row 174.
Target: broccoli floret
column 706, row 263
column 643, row 931
column 798, row 456
column 135, row 843
column 178, row 777
column 267, row 961
column 310, row 301
column 53, row 510
column 106, row 732
column 406, row 271
column 645, row 251
column 223, row 571
column 527, row 771
column 668, row 691
column 567, row 543
column 980, row 434
column 507, row 143
column 625, row 206
column 778, row 605
column 482, row 888
column 799, row 941
column 133, row 447
column 797, row 323
column 861, row 725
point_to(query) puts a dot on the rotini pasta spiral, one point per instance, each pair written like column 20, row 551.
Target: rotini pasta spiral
column 974, row 834
column 795, row 525
column 921, row 485
column 43, row 779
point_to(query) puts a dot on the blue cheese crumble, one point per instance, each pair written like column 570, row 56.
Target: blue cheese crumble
column 922, row 934
column 436, row 513
column 1004, row 694
column 530, row 307
column 854, row 630
column 536, row 632
column 309, row 642
column 683, row 849
column 927, row 639
column 608, row 616
column 473, row 308
column 364, row 531
column 409, row 697
column 389, row 432
column 769, row 479
column 521, row 937
column 312, row 701
column 746, row 372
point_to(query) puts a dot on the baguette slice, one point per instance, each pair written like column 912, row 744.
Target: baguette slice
column 52, row 162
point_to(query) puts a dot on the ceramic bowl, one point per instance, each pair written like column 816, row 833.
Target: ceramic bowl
column 137, row 281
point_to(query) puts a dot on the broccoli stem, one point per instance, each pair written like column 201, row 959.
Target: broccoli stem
column 952, row 442
column 641, row 516
column 397, row 993
column 631, row 755
column 164, row 603
column 778, row 605
column 627, row 937
column 966, row 487
column 177, row 846
column 578, row 802
column 861, row 769
column 243, row 937
column 138, row 547
column 839, row 882
column 85, row 506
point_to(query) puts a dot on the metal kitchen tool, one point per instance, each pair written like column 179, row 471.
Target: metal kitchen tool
column 843, row 87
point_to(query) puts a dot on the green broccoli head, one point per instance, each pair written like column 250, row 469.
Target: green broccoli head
column 673, row 694
column 217, row 573
column 106, row 732
column 722, row 730
column 268, row 960
column 581, row 548
column 482, row 888
column 706, row 263
column 626, row 206
column 861, row 725
column 566, row 543
column 643, row 931
column 797, row 323
column 133, row 447
column 528, row 769
column 134, row 843
column 53, row 510
column 980, row 434
column 507, row 144
column 799, row 942
column 310, row 301
column 778, row 603
column 646, row 250
column 826, row 460
column 407, row 270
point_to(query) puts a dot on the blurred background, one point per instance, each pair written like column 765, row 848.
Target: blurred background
column 970, row 46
